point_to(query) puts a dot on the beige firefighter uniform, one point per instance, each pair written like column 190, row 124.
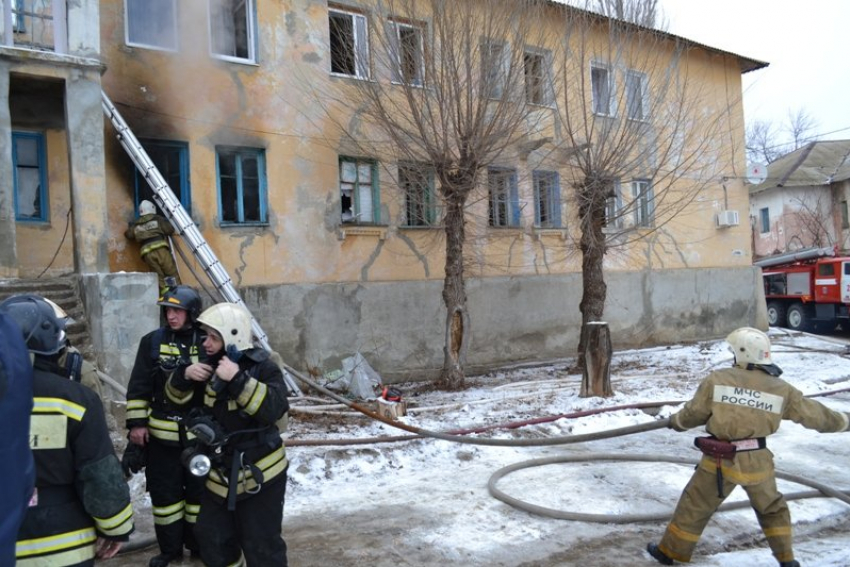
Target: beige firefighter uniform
column 743, row 406
column 152, row 232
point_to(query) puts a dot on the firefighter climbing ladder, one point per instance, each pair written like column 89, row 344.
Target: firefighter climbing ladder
column 182, row 222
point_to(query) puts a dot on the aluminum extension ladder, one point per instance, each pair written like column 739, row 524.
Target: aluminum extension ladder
column 183, row 223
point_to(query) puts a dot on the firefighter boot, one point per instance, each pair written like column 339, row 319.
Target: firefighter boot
column 163, row 559
column 794, row 563
column 659, row 556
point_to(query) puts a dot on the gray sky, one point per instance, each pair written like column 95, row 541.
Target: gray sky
column 802, row 41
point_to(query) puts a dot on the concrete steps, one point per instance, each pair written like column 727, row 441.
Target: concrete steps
column 64, row 291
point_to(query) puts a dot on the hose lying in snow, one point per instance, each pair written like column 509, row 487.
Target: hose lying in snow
column 820, row 489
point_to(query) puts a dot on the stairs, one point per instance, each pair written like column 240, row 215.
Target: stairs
column 64, row 291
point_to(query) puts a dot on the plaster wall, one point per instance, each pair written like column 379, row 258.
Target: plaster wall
column 399, row 326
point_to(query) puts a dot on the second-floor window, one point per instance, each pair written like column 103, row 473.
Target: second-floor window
column 504, row 199
column 602, row 90
column 637, row 103
column 151, row 23
column 417, row 184
column 764, row 215
column 30, row 176
column 493, row 72
column 349, row 43
column 241, row 185
column 232, row 29
column 537, row 86
column 547, row 199
column 408, row 50
column 644, row 203
column 358, row 186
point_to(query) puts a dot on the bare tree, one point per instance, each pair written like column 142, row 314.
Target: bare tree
column 800, row 127
column 645, row 13
column 447, row 90
column 647, row 135
column 766, row 142
column 761, row 142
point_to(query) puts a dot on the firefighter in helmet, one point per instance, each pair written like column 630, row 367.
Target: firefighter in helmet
column 151, row 231
column 245, row 397
column 76, row 367
column 80, row 508
column 740, row 407
column 155, row 421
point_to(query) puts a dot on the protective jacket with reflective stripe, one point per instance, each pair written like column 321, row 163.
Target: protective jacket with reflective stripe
column 80, row 492
column 162, row 353
column 151, row 231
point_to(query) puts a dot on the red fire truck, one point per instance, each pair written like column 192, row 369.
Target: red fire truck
column 807, row 290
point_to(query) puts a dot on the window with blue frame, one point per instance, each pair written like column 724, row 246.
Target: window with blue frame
column 30, row 172
column 764, row 215
column 241, row 185
column 503, row 197
column 358, row 185
column 172, row 161
column 547, row 199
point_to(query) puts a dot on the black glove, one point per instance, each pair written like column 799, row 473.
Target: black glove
column 135, row 459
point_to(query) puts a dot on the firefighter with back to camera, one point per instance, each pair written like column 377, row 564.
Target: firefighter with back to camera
column 76, row 367
column 80, row 508
column 740, row 407
column 245, row 396
column 151, row 231
column 155, row 420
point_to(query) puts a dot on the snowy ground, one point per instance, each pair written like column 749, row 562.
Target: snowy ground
column 425, row 502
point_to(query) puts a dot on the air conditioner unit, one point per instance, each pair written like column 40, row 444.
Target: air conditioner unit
column 727, row 218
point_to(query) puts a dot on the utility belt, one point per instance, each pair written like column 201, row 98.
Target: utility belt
column 719, row 450
column 240, row 474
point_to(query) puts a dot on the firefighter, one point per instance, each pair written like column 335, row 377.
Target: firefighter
column 242, row 506
column 151, row 231
column 740, row 407
column 80, row 508
column 155, row 422
column 76, row 367
column 16, row 464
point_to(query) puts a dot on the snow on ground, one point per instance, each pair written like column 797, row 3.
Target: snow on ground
column 425, row 502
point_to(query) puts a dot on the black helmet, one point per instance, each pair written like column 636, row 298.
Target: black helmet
column 43, row 332
column 182, row 297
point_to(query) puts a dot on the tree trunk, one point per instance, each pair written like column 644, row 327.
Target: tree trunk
column 594, row 290
column 454, row 297
column 596, row 376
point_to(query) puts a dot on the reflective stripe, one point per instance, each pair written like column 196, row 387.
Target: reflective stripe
column 252, row 396
column 164, row 515
column 177, row 396
column 192, row 511
column 682, row 534
column 169, row 349
column 164, row 429
column 117, row 525
column 779, row 531
column 152, row 246
column 58, row 542
column 58, row 405
column 272, row 465
column 71, row 557
column 138, row 409
column 239, row 562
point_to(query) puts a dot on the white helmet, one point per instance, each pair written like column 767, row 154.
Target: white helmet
column 751, row 346
column 146, row 208
column 231, row 321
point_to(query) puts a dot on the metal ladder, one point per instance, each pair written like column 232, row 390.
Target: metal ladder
column 183, row 223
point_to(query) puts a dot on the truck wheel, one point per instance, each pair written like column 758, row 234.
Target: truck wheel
column 776, row 314
column 797, row 319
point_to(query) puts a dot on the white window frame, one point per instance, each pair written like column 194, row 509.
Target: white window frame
column 544, row 94
column 503, row 197
column 397, row 45
column 250, row 37
column 422, row 194
column 141, row 5
column 598, row 97
column 364, row 196
column 643, row 198
column 614, row 208
column 360, row 49
column 494, row 72
column 632, row 78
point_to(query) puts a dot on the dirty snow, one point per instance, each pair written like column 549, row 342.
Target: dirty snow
column 425, row 502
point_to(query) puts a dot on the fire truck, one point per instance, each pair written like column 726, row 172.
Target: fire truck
column 807, row 290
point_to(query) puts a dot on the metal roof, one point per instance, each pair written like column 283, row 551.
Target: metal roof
column 815, row 164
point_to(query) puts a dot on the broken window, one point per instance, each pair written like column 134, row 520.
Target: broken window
column 152, row 23
column 504, row 200
column 547, row 199
column 349, row 43
column 417, row 183
column 537, row 86
column 28, row 157
column 602, row 90
column 358, row 185
column 408, row 54
column 636, row 96
column 241, row 185
column 644, row 203
column 232, row 28
column 172, row 161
